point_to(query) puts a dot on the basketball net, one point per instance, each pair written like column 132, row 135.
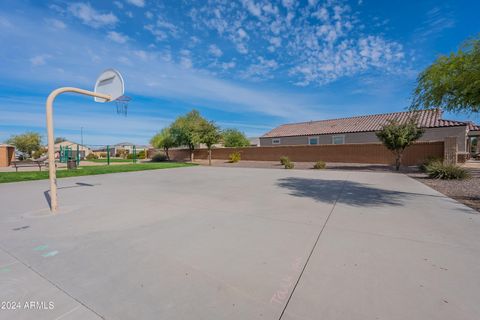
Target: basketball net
column 122, row 105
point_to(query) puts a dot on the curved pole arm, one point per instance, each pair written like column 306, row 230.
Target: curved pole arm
column 50, row 137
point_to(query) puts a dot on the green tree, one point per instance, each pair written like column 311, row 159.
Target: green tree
column 451, row 82
column 398, row 136
column 60, row 139
column 27, row 142
column 163, row 140
column 210, row 135
column 233, row 138
column 186, row 130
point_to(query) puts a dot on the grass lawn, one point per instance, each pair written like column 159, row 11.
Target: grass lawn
column 88, row 170
column 111, row 160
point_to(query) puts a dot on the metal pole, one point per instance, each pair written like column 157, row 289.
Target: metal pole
column 134, row 154
column 78, row 155
column 51, row 141
column 108, row 155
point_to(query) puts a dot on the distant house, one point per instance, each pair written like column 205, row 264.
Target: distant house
column 7, row 155
column 128, row 146
column 254, row 141
column 83, row 150
column 362, row 129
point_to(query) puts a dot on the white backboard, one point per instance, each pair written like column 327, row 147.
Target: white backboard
column 110, row 82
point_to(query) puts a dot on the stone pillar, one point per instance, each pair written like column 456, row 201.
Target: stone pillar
column 450, row 150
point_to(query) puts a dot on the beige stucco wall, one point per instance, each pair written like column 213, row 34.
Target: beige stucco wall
column 72, row 145
column 431, row 134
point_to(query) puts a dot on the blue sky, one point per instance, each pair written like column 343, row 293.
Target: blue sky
column 249, row 64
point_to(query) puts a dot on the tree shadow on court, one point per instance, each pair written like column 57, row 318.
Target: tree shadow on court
column 352, row 193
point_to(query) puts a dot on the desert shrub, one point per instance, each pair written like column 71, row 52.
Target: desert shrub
column 91, row 156
column 141, row 154
column 428, row 161
column 102, row 154
column 319, row 165
column 159, row 157
column 234, row 157
column 289, row 165
column 122, row 153
column 284, row 160
column 438, row 170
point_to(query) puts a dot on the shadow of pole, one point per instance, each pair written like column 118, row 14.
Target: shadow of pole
column 46, row 193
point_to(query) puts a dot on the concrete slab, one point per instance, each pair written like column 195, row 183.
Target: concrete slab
column 231, row 243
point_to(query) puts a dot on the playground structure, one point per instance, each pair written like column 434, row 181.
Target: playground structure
column 107, row 152
column 112, row 152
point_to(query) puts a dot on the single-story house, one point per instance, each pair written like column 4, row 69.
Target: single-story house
column 361, row 129
column 473, row 142
column 254, row 141
column 102, row 151
column 7, row 155
column 128, row 146
column 84, row 150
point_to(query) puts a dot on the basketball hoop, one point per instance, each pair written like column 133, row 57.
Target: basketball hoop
column 122, row 104
column 108, row 87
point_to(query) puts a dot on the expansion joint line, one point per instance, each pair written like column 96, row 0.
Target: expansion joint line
column 313, row 247
column 49, row 281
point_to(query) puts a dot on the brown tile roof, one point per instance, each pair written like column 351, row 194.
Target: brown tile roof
column 425, row 119
column 473, row 127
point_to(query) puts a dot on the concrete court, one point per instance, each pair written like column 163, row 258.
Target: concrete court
column 231, row 243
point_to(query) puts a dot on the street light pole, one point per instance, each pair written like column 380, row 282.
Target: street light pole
column 50, row 136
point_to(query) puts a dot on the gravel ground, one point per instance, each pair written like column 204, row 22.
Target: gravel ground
column 464, row 191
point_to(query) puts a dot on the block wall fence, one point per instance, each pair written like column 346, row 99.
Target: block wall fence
column 374, row 153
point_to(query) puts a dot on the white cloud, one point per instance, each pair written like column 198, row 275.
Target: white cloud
column 242, row 34
column 56, row 24
column 253, row 8
column 117, row 37
column 149, row 15
column 194, row 41
column 138, row 3
column 215, row 51
column 228, row 65
column 261, row 70
column 186, row 62
column 437, row 19
column 288, row 3
column 319, row 41
column 162, row 29
column 185, row 59
column 118, row 4
column 39, row 60
column 141, row 54
column 90, row 16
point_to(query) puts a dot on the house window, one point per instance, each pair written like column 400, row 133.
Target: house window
column 275, row 141
column 338, row 139
column 312, row 140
